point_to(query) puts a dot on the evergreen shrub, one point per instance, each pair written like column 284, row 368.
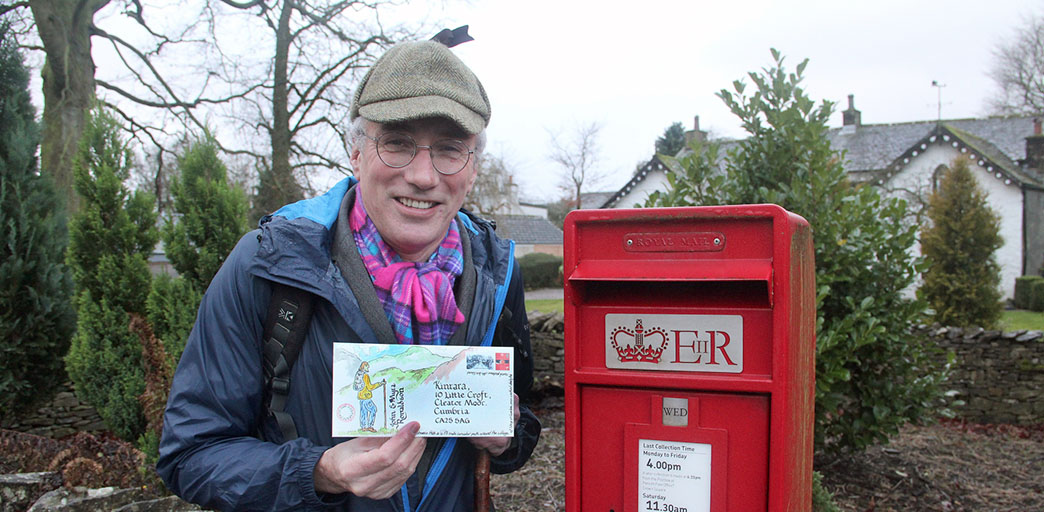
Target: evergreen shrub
column 1024, row 290
column 36, row 316
column 211, row 216
column 172, row 305
column 541, row 270
column 110, row 240
column 1036, row 301
column 960, row 244
column 822, row 499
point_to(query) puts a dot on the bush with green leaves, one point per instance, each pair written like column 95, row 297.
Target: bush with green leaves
column 36, row 316
column 210, row 217
column 960, row 243
column 172, row 306
column 1036, row 301
column 212, row 214
column 110, row 240
column 822, row 499
column 873, row 372
column 1024, row 290
column 541, row 270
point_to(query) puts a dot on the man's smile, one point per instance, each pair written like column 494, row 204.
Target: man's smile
column 414, row 203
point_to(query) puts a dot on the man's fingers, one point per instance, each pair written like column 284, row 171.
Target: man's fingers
column 401, row 453
column 402, row 439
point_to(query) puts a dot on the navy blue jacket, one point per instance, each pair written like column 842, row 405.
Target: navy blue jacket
column 211, row 451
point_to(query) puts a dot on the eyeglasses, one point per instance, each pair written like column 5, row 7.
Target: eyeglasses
column 397, row 150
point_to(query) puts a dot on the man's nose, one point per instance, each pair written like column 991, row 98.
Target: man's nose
column 421, row 171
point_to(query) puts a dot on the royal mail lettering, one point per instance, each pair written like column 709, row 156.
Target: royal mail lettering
column 674, row 242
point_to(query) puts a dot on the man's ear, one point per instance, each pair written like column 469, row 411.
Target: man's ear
column 473, row 177
column 353, row 158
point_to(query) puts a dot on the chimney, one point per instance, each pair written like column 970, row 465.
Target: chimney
column 1035, row 147
column 695, row 133
column 851, row 117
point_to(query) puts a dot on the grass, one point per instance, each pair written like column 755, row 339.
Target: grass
column 1019, row 319
column 545, row 305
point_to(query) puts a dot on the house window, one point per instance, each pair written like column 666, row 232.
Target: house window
column 937, row 176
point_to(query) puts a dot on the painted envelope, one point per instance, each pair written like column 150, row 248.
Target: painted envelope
column 452, row 391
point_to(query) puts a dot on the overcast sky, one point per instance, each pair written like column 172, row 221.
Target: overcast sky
column 637, row 67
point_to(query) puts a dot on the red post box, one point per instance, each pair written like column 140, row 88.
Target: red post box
column 690, row 360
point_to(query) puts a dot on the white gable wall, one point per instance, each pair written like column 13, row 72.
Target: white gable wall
column 1006, row 199
column 655, row 180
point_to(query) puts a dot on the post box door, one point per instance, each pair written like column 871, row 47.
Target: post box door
column 670, row 458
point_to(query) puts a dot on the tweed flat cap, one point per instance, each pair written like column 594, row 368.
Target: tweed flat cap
column 422, row 79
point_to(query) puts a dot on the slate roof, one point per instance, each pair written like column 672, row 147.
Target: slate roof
column 528, row 229
column 589, row 200
column 874, row 147
column 873, row 151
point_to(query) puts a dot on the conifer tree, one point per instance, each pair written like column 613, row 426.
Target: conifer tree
column 110, row 239
column 210, row 217
column 960, row 243
column 672, row 141
column 873, row 373
column 36, row 317
column 212, row 214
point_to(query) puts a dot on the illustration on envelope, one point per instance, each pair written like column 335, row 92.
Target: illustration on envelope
column 460, row 391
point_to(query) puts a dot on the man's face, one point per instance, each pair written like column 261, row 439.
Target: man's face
column 412, row 206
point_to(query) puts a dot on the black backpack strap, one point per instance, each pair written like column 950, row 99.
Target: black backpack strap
column 289, row 312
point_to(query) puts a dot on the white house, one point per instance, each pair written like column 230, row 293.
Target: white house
column 1006, row 155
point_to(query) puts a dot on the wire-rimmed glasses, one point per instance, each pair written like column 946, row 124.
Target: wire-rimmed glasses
column 397, row 150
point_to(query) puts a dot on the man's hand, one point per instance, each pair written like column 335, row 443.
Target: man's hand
column 370, row 467
column 496, row 445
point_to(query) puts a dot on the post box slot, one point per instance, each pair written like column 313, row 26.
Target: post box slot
column 675, row 294
column 736, row 273
column 673, row 270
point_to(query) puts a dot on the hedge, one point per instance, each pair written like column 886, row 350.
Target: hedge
column 541, row 270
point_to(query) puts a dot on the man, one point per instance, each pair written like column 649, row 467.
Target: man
column 391, row 259
column 367, row 411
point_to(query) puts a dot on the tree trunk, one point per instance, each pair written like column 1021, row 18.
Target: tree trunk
column 282, row 174
column 68, row 84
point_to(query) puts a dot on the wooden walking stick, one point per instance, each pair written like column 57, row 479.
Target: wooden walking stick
column 482, row 498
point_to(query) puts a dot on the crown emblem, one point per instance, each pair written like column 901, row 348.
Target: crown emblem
column 646, row 345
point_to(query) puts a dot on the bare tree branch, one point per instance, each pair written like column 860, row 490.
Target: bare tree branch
column 245, row 5
column 1019, row 71
column 577, row 153
column 173, row 104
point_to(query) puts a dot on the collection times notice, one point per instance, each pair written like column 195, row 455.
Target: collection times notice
column 673, row 476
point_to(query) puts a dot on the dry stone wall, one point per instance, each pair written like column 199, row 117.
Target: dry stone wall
column 63, row 416
column 998, row 375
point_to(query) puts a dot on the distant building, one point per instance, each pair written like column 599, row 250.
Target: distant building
column 907, row 159
column 530, row 233
column 591, row 200
column 536, row 210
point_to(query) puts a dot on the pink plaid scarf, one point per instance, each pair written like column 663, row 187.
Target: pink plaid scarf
column 413, row 294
